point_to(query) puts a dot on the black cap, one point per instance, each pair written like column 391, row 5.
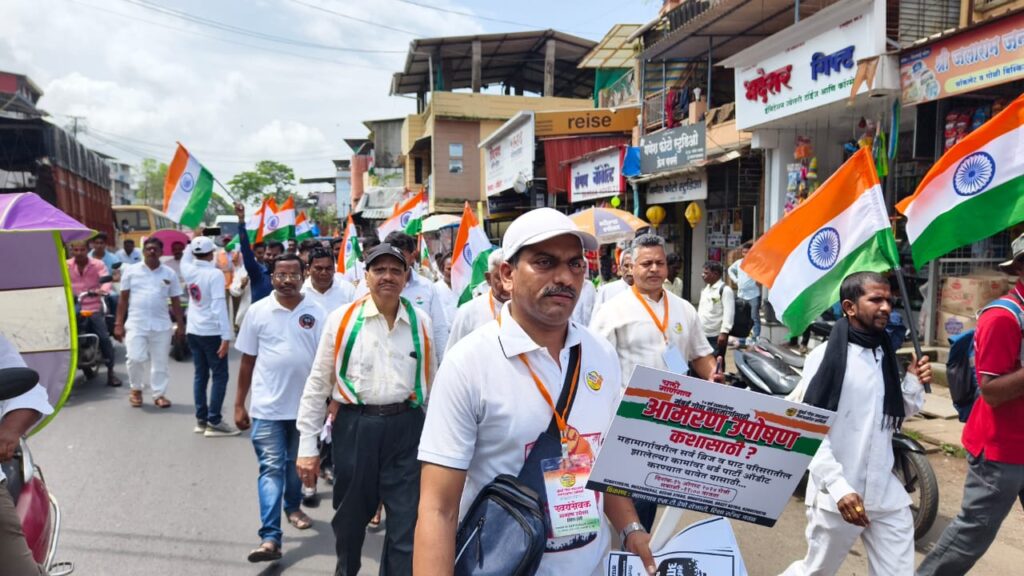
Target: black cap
column 385, row 249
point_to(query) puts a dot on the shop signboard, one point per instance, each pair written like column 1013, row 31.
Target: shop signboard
column 597, row 175
column 574, row 122
column 673, row 149
column 986, row 56
column 508, row 154
column 681, row 188
column 688, row 443
column 810, row 73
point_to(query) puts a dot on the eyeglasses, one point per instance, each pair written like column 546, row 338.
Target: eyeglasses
column 386, row 271
column 283, row 276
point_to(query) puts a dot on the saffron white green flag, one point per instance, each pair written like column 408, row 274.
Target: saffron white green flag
column 840, row 229
column 973, row 191
column 252, row 228
column 351, row 251
column 303, row 228
column 406, row 218
column 469, row 257
column 278, row 221
column 187, row 189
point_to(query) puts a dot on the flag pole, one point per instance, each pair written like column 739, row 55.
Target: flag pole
column 910, row 321
column 225, row 189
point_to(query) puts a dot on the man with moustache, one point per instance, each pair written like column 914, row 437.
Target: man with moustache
column 323, row 286
column 494, row 394
column 376, row 360
column 483, row 308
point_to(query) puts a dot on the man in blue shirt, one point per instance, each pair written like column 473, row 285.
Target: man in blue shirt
column 259, row 277
column 747, row 289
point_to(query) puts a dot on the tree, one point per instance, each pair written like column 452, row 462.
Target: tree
column 152, row 175
column 269, row 178
column 218, row 207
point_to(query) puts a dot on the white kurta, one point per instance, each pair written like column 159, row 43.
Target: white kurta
column 472, row 315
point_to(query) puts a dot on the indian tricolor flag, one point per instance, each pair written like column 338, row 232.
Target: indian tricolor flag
column 187, row 190
column 348, row 258
column 973, row 191
column 253, row 225
column 278, row 221
column 469, row 257
column 840, row 229
column 405, row 217
column 303, row 228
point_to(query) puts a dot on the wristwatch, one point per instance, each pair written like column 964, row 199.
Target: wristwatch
column 629, row 529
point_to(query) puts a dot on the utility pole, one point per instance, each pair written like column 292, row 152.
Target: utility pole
column 74, row 125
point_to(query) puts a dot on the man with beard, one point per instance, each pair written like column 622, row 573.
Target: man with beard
column 851, row 490
column 493, row 397
column 376, row 360
column 483, row 308
column 278, row 340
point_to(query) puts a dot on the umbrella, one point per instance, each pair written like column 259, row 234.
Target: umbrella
column 169, row 236
column 439, row 221
column 608, row 224
column 36, row 311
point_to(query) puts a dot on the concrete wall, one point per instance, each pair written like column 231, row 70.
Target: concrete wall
column 387, row 143
column 496, row 106
column 451, row 190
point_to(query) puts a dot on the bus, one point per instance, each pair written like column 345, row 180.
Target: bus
column 138, row 222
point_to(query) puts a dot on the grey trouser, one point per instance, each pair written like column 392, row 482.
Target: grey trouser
column 17, row 558
column 990, row 490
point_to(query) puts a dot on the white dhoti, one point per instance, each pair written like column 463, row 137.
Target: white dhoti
column 888, row 539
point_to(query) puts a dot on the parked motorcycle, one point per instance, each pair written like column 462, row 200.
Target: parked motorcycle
column 90, row 357
column 37, row 508
column 770, row 369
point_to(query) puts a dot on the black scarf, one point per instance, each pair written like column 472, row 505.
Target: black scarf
column 827, row 384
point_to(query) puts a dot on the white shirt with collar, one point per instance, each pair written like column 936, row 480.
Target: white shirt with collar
column 608, row 291
column 485, row 412
column 149, row 291
column 207, row 304
column 35, row 399
column 717, row 308
column 284, row 343
column 624, row 322
column 339, row 294
column 448, row 298
column 472, row 315
column 856, row 456
column 423, row 294
column 381, row 368
column 584, row 309
column 134, row 258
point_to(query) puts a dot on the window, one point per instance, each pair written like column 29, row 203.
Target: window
column 455, row 166
column 455, row 150
column 418, row 169
column 134, row 219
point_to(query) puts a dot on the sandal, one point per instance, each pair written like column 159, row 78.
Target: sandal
column 268, row 551
column 162, row 402
column 114, row 382
column 300, row 520
column 375, row 522
column 135, row 398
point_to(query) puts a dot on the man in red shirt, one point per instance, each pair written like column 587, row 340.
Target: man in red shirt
column 993, row 437
column 85, row 275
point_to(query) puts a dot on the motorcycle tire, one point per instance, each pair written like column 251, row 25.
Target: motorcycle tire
column 915, row 473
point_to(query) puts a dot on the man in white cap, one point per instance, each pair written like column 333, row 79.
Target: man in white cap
column 209, row 333
column 483, row 308
column 494, row 395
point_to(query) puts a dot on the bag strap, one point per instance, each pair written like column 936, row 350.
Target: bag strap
column 565, row 400
column 1010, row 305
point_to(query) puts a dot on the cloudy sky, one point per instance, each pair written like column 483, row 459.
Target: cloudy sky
column 242, row 80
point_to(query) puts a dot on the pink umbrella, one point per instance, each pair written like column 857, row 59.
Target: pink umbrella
column 169, row 236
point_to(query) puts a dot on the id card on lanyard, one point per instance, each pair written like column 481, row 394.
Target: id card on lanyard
column 670, row 354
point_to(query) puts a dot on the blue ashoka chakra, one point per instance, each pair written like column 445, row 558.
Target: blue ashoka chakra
column 823, row 249
column 974, row 173
column 405, row 218
column 188, row 181
column 273, row 221
column 467, row 254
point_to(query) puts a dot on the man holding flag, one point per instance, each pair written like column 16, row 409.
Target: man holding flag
column 469, row 256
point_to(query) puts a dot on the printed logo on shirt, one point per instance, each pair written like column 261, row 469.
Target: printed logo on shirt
column 307, row 321
column 420, row 300
column 594, row 380
column 195, row 292
column 678, row 327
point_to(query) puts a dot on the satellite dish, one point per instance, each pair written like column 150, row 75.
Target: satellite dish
column 519, row 185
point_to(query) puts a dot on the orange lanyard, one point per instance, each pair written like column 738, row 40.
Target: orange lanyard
column 490, row 302
column 663, row 324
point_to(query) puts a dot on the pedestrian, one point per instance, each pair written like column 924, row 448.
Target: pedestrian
column 323, row 286
column 376, row 360
column 99, row 251
column 584, row 309
column 17, row 417
column 421, row 292
column 748, row 290
column 304, row 249
column 612, row 289
column 449, row 299
column 259, row 282
column 278, row 342
column 717, row 308
column 493, row 397
column 145, row 289
column 483, row 308
column 86, row 278
column 993, row 436
column 174, row 260
column 129, row 254
column 649, row 326
column 673, row 282
column 209, row 333
column 851, row 489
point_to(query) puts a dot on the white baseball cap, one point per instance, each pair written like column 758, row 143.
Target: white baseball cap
column 1017, row 247
column 203, row 245
column 538, row 225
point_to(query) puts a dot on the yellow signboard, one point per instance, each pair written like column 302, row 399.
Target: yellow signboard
column 594, row 121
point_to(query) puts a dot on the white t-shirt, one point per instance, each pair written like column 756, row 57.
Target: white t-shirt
column 284, row 343
column 485, row 411
column 472, row 315
column 448, row 299
column 149, row 291
column 625, row 324
column 584, row 309
column 207, row 309
column 35, row 399
column 338, row 295
column 134, row 258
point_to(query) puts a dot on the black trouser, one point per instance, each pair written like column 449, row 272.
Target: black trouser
column 375, row 461
column 719, row 350
column 97, row 324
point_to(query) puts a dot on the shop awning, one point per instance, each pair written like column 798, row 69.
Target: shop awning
column 691, row 168
column 559, row 151
column 378, row 203
column 420, row 145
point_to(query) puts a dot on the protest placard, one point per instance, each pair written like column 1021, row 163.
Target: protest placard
column 693, row 444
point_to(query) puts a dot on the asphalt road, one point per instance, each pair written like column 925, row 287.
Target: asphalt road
column 142, row 494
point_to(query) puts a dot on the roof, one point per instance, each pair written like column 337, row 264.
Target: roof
column 615, row 50
column 513, row 59
column 359, row 145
